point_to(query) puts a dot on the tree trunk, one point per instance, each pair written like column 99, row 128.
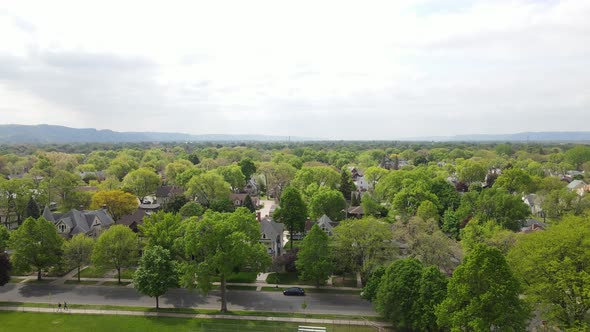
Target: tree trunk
column 291, row 239
column 39, row 274
column 119, row 274
column 157, row 302
column 223, row 299
column 78, row 273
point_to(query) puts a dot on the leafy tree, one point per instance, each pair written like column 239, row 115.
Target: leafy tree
column 329, row 202
column 248, row 168
column 156, row 273
column 78, row 250
column 504, row 149
column 183, row 178
column 65, row 184
column 371, row 207
column 234, row 176
column 432, row 291
column 514, row 180
column 346, row 184
column 406, row 201
column 5, row 269
column 4, row 238
column 313, row 259
column 448, row 197
column 451, row 224
column 372, row 285
column 194, row 158
column 141, row 182
column 110, row 183
column 362, row 245
column 373, row 175
column 471, row 171
column 175, row 203
column 578, row 155
column 36, row 245
column 162, row 229
column 116, row 248
column 222, row 205
column 483, row 295
column 248, row 204
column 176, row 168
column 208, row 187
column 192, row 209
column 497, row 204
column 320, row 175
column 427, row 210
column 117, row 202
column 398, row 294
column 277, row 176
column 554, row 267
column 14, row 196
column 220, row 244
column 292, row 211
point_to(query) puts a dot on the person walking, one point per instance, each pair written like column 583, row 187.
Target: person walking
column 58, row 306
column 65, row 306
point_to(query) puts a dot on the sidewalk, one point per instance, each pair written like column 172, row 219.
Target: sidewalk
column 181, row 315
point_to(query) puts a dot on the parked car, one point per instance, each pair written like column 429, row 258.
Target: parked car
column 294, row 291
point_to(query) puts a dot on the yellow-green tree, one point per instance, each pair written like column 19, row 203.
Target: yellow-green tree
column 117, row 202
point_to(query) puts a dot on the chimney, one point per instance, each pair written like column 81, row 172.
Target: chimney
column 258, row 216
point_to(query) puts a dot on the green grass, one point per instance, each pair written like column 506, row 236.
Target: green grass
column 243, row 277
column 16, row 280
column 127, row 273
column 272, row 289
column 349, row 281
column 191, row 311
column 93, row 272
column 115, row 283
column 81, row 282
column 287, row 278
column 316, row 290
column 248, row 288
column 42, row 281
column 59, row 322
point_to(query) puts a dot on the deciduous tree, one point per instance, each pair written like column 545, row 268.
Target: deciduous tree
column 116, row 248
column 292, row 212
column 156, row 273
column 208, row 187
column 329, row 202
column 78, row 251
column 141, row 182
column 314, row 260
column 117, row 202
column 36, row 245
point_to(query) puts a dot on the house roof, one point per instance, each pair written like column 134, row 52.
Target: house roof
column 167, row 191
column 80, row 221
column 271, row 229
column 135, row 217
column 576, row 184
column 356, row 210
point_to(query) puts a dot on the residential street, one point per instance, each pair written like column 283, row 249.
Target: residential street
column 344, row 304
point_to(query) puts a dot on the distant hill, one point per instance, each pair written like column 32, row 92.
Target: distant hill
column 44, row 134
column 548, row 136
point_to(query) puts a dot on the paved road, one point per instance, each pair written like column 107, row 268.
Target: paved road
column 344, row 304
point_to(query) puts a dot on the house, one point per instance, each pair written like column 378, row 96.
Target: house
column 327, row 225
column 579, row 186
column 165, row 193
column 133, row 220
column 533, row 225
column 90, row 223
column 238, row 199
column 251, row 187
column 271, row 235
column 361, row 184
column 355, row 212
column 533, row 202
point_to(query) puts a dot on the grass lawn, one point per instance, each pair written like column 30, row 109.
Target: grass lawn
column 348, row 281
column 16, row 280
column 115, row 283
column 93, row 272
column 127, row 273
column 42, row 281
column 59, row 322
column 249, row 288
column 82, row 282
column 287, row 278
column 244, row 277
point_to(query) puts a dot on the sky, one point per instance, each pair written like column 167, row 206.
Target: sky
column 325, row 69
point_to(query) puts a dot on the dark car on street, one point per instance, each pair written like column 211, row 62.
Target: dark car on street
column 294, row 291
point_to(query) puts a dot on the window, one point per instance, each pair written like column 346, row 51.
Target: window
column 62, row 228
column 263, row 235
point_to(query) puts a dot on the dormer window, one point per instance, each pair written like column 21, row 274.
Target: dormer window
column 62, row 228
column 264, row 235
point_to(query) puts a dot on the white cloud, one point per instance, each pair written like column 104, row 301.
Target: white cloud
column 334, row 69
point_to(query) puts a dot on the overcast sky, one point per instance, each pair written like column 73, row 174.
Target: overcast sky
column 324, row 69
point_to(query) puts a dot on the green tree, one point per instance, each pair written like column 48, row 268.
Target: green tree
column 234, row 176
column 514, row 180
column 427, row 210
column 497, row 204
column 554, row 266
column 483, row 295
column 329, row 202
column 432, row 291
column 277, row 176
column 248, row 168
column 208, row 187
column 116, row 248
column 4, row 238
column 192, row 209
column 471, row 171
column 141, row 182
column 398, row 294
column 313, row 258
column 156, row 273
column 36, row 245
column 163, row 229
column 578, row 155
column 176, row 168
column 78, row 250
column 363, row 245
column 248, row 204
column 320, row 175
column 117, row 202
column 373, row 175
column 220, row 244
column 406, row 201
column 194, row 158
column 372, row 285
column 292, row 212
column 346, row 184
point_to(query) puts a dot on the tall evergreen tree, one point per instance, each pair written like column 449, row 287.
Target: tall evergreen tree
column 292, row 212
column 346, row 184
column 248, row 204
column 32, row 209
